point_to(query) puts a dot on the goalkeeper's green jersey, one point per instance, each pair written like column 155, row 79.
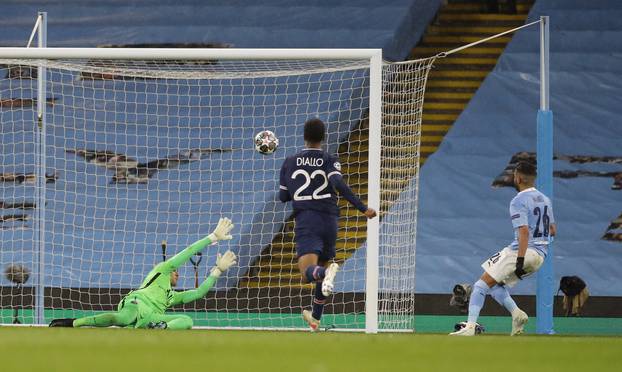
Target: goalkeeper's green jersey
column 156, row 292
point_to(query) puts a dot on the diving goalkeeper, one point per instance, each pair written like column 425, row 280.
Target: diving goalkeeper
column 146, row 306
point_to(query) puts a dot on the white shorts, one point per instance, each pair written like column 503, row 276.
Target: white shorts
column 501, row 265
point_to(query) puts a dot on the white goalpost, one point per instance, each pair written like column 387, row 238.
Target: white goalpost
column 106, row 153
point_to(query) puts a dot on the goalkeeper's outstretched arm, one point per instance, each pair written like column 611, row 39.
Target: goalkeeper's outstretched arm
column 223, row 263
column 221, row 232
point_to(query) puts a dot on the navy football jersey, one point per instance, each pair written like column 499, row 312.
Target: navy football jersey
column 310, row 180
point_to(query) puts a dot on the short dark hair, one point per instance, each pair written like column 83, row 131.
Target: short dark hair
column 314, row 130
column 526, row 168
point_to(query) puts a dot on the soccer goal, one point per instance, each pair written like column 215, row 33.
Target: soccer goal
column 112, row 158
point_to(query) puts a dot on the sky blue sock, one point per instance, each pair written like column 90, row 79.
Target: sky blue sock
column 478, row 295
column 502, row 296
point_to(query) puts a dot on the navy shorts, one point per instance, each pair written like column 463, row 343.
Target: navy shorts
column 316, row 232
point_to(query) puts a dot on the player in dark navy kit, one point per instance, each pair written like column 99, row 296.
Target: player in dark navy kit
column 310, row 180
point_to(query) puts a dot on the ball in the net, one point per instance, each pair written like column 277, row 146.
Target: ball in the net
column 266, row 142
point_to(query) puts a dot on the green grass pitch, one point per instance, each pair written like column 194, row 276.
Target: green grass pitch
column 116, row 350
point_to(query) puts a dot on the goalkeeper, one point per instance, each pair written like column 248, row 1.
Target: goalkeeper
column 145, row 307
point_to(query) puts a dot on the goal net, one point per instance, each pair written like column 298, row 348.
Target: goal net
column 130, row 157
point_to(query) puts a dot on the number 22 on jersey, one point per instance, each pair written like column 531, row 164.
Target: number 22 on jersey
column 308, row 177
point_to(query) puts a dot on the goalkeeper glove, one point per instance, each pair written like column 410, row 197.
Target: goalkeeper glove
column 520, row 261
column 223, row 263
column 222, row 230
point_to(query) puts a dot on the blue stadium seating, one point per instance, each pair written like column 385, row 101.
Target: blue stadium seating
column 463, row 220
column 585, row 41
column 83, row 219
column 394, row 25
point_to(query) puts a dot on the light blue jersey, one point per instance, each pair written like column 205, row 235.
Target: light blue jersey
column 532, row 208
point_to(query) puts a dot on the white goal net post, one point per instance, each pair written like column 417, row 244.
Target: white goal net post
column 107, row 153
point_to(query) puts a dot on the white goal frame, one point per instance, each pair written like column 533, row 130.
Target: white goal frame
column 374, row 56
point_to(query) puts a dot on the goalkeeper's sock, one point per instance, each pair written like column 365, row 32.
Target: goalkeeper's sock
column 502, row 296
column 122, row 318
column 478, row 296
column 315, row 273
column 101, row 320
column 180, row 322
column 318, row 302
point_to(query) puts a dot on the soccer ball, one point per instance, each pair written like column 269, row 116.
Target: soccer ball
column 266, row 142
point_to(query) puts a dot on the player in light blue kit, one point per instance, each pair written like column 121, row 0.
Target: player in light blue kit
column 534, row 225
